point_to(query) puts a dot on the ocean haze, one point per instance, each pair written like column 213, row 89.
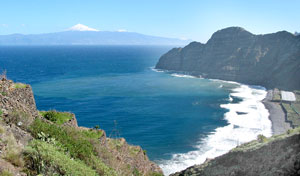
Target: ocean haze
column 89, row 37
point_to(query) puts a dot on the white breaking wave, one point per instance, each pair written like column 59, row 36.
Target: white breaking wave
column 230, row 98
column 219, row 80
column 182, row 75
column 246, row 119
column 177, row 74
column 156, row 70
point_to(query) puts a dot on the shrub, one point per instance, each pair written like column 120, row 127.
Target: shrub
column 2, row 130
column 93, row 134
column 134, row 150
column 78, row 143
column 78, row 146
column 57, row 117
column 97, row 127
column 261, row 138
column 136, row 172
column 19, row 118
column 115, row 143
column 47, row 159
column 13, row 152
column 155, row 174
column 102, row 168
column 5, row 173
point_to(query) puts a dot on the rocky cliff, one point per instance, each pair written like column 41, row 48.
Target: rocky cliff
column 36, row 142
column 234, row 54
column 275, row 156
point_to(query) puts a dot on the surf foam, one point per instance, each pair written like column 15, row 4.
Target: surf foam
column 246, row 119
column 182, row 75
column 156, row 70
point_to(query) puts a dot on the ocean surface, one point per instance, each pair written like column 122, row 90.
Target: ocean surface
column 178, row 119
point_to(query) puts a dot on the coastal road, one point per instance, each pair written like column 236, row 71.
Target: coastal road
column 277, row 116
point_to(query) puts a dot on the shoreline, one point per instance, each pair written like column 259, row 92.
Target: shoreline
column 276, row 115
column 238, row 131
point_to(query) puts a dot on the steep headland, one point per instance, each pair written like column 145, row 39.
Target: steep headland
column 270, row 60
column 234, row 54
column 36, row 142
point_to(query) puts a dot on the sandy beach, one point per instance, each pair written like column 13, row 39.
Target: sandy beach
column 277, row 116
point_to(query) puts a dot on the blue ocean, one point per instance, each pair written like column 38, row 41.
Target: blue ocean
column 178, row 119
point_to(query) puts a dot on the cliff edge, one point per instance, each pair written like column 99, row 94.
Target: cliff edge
column 234, row 54
column 36, row 142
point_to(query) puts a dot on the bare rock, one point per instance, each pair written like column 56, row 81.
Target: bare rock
column 235, row 54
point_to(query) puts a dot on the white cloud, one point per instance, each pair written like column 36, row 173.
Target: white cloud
column 122, row 30
column 4, row 25
column 183, row 38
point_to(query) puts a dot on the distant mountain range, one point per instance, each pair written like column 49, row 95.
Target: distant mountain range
column 84, row 35
column 234, row 54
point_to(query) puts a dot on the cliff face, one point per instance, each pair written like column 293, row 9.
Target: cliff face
column 36, row 142
column 234, row 54
column 278, row 155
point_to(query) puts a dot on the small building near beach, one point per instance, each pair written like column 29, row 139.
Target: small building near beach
column 288, row 96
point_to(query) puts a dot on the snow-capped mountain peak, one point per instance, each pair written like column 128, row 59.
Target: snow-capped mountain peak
column 81, row 27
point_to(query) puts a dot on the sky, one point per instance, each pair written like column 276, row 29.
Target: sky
column 186, row 19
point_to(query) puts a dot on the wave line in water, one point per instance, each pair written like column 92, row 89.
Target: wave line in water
column 182, row 75
column 156, row 70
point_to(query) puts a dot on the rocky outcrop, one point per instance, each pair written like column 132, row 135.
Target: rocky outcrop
column 17, row 99
column 72, row 122
column 234, row 54
column 278, row 155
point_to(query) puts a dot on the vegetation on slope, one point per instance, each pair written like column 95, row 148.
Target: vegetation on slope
column 56, row 117
column 77, row 143
column 277, row 155
column 262, row 141
column 291, row 114
column 19, row 85
column 52, row 159
column 65, row 150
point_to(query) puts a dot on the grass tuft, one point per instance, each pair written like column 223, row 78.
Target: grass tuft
column 57, row 117
column 13, row 152
column 19, row 85
column 5, row 173
column 20, row 116
column 2, row 130
column 155, row 174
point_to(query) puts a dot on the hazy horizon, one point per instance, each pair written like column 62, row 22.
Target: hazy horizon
column 195, row 20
